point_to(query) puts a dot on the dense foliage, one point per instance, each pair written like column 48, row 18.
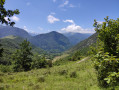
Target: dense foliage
column 76, row 56
column 6, row 13
column 39, row 62
column 11, row 44
column 107, row 57
column 23, row 57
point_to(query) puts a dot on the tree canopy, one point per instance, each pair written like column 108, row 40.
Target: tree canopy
column 107, row 58
column 6, row 14
column 23, row 57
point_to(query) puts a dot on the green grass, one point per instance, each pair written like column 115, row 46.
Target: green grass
column 55, row 78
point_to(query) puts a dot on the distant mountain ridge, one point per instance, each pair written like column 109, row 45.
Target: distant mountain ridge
column 84, row 45
column 75, row 38
column 8, row 30
column 52, row 41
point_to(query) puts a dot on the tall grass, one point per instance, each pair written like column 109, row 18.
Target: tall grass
column 70, row 76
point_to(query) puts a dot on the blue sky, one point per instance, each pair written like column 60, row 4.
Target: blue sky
column 41, row 16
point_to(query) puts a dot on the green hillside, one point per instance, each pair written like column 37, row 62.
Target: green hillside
column 84, row 45
column 71, row 76
column 53, row 42
column 10, row 44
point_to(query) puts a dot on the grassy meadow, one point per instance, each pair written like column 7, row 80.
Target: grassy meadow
column 70, row 76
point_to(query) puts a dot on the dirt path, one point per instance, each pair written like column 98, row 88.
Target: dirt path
column 83, row 60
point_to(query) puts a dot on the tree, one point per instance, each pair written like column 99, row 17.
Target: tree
column 6, row 13
column 39, row 62
column 76, row 56
column 108, row 34
column 107, row 59
column 23, row 57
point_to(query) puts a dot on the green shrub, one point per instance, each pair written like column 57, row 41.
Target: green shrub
column 1, row 80
column 41, row 79
column 36, row 87
column 107, row 59
column 76, row 56
column 2, row 88
column 73, row 74
column 30, row 84
column 39, row 62
column 63, row 72
column 4, row 68
column 107, row 68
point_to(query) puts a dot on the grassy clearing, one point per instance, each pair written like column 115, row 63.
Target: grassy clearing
column 72, row 76
column 60, row 57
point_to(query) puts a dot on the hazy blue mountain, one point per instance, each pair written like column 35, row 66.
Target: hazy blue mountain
column 75, row 38
column 8, row 30
column 51, row 41
column 84, row 45
column 32, row 34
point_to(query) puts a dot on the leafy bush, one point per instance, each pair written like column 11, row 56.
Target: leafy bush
column 107, row 60
column 63, row 72
column 107, row 67
column 4, row 68
column 2, row 88
column 73, row 74
column 23, row 57
column 1, row 80
column 75, row 56
column 41, row 79
column 39, row 62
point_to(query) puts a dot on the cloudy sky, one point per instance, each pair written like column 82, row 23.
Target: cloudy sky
column 41, row 16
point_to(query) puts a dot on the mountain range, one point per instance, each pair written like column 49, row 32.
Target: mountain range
column 52, row 41
column 75, row 38
column 84, row 45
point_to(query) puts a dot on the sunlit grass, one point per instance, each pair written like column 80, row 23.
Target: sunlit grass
column 55, row 78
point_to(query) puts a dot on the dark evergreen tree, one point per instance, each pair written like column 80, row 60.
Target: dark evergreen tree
column 23, row 57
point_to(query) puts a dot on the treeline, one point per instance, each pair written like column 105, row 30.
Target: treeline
column 23, row 59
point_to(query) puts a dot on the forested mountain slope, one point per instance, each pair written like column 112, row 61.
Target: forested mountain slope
column 83, row 46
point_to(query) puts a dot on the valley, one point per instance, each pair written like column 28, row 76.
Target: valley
column 59, row 45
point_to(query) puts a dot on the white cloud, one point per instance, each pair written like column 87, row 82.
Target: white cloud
column 6, row 18
column 52, row 19
column 54, row 1
column 70, row 21
column 28, row 3
column 14, row 18
column 25, row 28
column 64, row 4
column 30, row 31
column 75, row 28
